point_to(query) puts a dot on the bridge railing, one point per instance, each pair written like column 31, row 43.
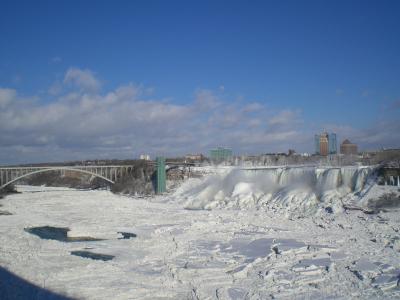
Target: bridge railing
column 109, row 173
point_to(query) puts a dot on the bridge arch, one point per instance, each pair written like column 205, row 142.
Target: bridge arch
column 55, row 169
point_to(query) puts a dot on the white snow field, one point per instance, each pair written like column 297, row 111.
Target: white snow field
column 279, row 233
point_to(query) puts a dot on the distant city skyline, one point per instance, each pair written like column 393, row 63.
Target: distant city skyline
column 85, row 80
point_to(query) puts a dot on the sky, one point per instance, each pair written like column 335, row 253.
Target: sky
column 116, row 79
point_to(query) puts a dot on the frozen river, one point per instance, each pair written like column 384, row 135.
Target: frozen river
column 157, row 249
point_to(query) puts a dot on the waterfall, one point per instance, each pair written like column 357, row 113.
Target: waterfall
column 292, row 176
column 349, row 177
column 291, row 187
column 328, row 180
column 361, row 178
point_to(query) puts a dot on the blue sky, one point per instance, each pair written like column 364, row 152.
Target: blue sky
column 311, row 65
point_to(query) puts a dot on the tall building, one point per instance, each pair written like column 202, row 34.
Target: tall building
column 220, row 154
column 332, row 144
column 325, row 143
column 348, row 148
column 317, row 146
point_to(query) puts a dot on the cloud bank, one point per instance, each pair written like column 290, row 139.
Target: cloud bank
column 82, row 123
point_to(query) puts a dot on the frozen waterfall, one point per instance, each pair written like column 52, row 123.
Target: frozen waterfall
column 293, row 188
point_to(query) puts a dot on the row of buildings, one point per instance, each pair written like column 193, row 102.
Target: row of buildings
column 326, row 144
column 218, row 154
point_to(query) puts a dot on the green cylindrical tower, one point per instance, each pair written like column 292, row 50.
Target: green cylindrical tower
column 161, row 175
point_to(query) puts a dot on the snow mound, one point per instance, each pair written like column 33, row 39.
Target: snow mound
column 296, row 189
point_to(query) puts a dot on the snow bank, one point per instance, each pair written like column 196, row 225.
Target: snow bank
column 300, row 189
column 224, row 254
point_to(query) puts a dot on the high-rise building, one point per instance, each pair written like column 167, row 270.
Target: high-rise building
column 325, row 143
column 348, row 148
column 332, row 144
column 220, row 154
column 317, row 147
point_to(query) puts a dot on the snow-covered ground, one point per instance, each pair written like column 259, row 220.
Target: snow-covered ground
column 227, row 236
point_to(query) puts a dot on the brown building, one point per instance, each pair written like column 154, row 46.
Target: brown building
column 348, row 148
column 323, row 144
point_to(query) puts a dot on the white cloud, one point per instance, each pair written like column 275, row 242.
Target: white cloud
column 285, row 117
column 55, row 89
column 206, row 99
column 255, row 106
column 6, row 97
column 382, row 134
column 123, row 124
column 83, row 79
column 83, row 123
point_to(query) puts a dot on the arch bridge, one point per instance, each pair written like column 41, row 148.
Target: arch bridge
column 9, row 175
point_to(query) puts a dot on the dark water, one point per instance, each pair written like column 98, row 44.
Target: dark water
column 127, row 235
column 92, row 255
column 5, row 213
column 58, row 234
